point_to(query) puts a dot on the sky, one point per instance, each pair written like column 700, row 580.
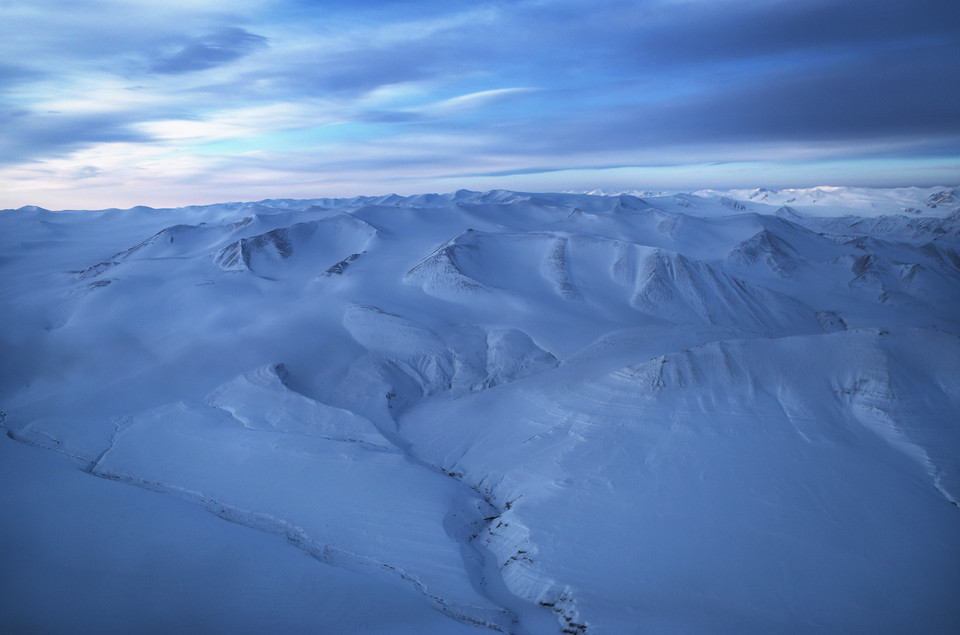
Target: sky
column 110, row 103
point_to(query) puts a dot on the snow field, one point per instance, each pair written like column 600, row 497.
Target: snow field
column 527, row 413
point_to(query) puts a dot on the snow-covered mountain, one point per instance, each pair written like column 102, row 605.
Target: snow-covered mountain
column 501, row 411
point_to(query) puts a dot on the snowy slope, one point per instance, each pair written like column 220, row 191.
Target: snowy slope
column 529, row 413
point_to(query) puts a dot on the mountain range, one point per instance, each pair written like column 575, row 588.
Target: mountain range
column 472, row 412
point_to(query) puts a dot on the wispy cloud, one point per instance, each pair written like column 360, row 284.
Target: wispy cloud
column 210, row 50
column 270, row 91
column 29, row 135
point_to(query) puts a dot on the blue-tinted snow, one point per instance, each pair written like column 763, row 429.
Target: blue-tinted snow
column 539, row 413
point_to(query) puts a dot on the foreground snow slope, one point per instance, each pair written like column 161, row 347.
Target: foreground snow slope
column 529, row 413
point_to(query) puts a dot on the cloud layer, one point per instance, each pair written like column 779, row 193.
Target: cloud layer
column 285, row 97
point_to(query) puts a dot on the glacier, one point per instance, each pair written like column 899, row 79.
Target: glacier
column 472, row 412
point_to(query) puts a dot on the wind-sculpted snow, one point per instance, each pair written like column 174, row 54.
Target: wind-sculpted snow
column 406, row 361
column 742, row 447
column 611, row 275
column 260, row 401
column 901, row 274
column 314, row 245
column 343, row 503
column 683, row 291
column 478, row 262
column 766, row 247
column 176, row 242
column 725, row 412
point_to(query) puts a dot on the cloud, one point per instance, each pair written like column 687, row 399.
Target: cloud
column 444, row 108
column 88, row 172
column 11, row 74
column 27, row 135
column 349, row 59
column 718, row 86
column 470, row 102
column 721, row 31
column 110, row 35
column 885, row 96
column 419, row 87
column 208, row 51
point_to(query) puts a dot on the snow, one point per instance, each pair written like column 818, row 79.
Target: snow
column 467, row 412
column 85, row 555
